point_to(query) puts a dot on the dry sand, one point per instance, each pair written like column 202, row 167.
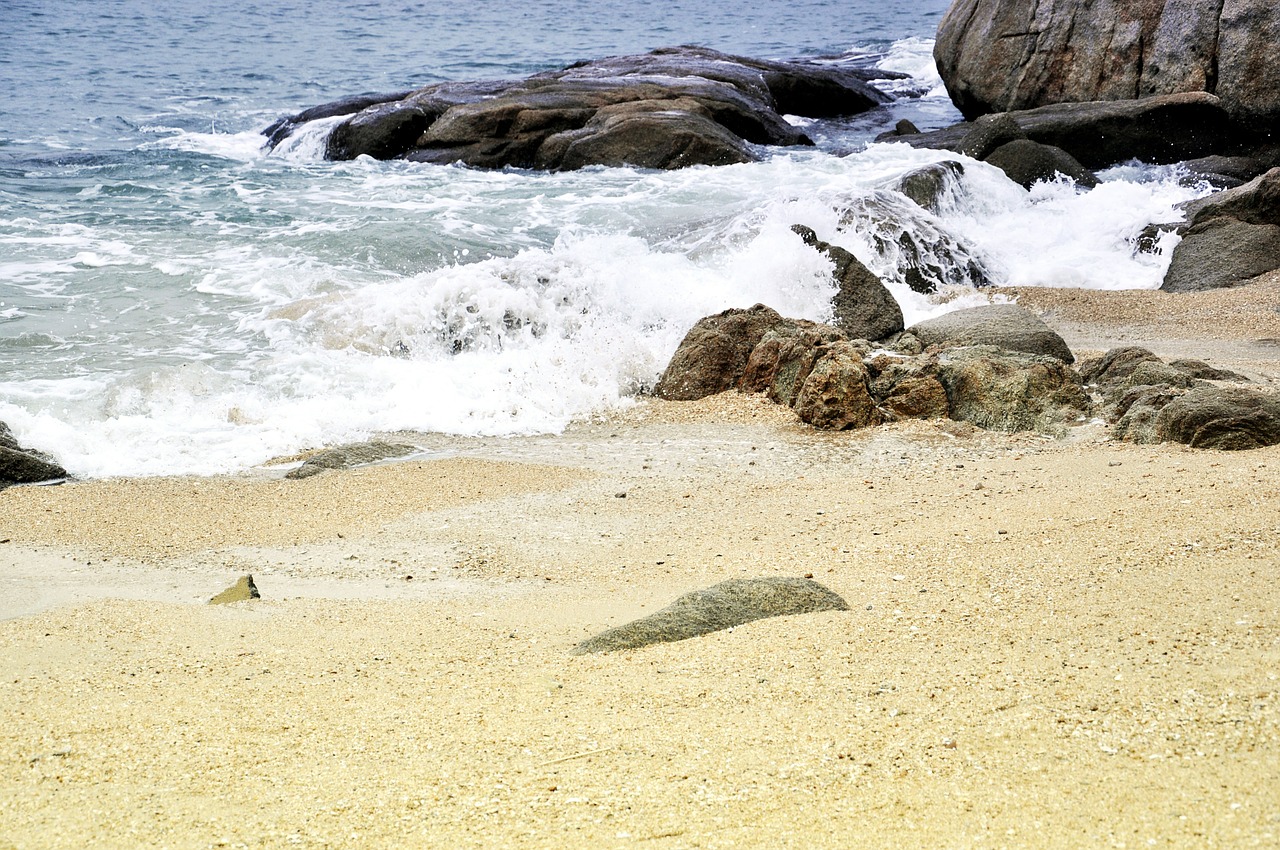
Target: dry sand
column 1052, row 644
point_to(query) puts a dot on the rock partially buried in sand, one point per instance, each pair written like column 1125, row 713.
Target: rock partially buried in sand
column 242, row 591
column 343, row 457
column 730, row 603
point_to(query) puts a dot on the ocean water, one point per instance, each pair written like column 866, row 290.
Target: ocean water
column 175, row 299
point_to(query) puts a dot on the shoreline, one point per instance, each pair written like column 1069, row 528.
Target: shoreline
column 1052, row 642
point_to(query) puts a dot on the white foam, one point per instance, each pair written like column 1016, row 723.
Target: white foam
column 335, row 301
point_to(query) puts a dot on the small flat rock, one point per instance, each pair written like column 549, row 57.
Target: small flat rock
column 243, row 590
column 344, row 457
column 730, row 603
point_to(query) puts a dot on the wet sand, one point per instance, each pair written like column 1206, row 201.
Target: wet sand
column 1068, row 643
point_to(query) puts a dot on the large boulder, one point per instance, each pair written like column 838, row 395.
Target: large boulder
column 1002, row 390
column 671, row 108
column 1006, row 326
column 19, row 465
column 1230, row 418
column 721, row 606
column 1001, row 55
column 931, row 186
column 864, row 308
column 714, row 353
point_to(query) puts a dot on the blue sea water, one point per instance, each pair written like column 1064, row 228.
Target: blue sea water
column 176, row 299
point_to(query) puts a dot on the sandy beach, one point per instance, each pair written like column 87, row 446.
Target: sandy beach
column 1052, row 643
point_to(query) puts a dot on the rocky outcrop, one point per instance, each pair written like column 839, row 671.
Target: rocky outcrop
column 344, row 457
column 19, row 465
column 835, row 395
column 1150, row 401
column 864, row 308
column 834, row 383
column 1229, row 237
column 1001, row 55
column 667, row 109
column 721, row 606
column 1005, row 326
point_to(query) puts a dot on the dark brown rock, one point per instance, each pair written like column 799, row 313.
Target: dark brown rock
column 835, row 397
column 713, row 355
column 1026, row 163
column 671, row 108
column 20, row 465
column 1164, row 129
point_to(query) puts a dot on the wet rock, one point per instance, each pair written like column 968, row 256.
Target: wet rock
column 242, row 591
column 1026, row 163
column 988, row 133
column 1228, row 418
column 1005, row 326
column 835, row 396
column 722, row 606
column 931, row 186
column 864, row 308
column 20, row 465
column 344, row 457
column 671, row 108
column 713, row 355
column 1002, row 390
column 926, row 255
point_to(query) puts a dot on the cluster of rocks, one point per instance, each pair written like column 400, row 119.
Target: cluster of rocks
column 671, row 108
column 998, row 367
column 20, row 465
column 1182, row 401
